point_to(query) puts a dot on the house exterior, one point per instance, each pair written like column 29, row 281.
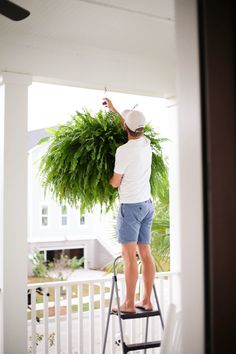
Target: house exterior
column 55, row 228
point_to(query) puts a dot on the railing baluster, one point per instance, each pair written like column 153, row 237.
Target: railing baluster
column 45, row 312
column 102, row 313
column 160, row 294
column 80, row 318
column 133, row 331
column 33, row 320
column 162, row 302
column 57, row 320
column 165, row 296
column 170, row 278
column 143, row 320
column 153, row 320
column 91, row 316
column 69, row 319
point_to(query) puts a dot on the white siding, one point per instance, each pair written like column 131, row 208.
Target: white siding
column 94, row 222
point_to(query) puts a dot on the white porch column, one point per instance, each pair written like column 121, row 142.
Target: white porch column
column 13, row 212
column 175, row 255
column 190, row 176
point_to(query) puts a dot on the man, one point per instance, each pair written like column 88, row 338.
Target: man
column 131, row 176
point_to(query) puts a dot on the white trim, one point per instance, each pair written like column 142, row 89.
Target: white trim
column 62, row 239
column 94, row 86
column 13, row 78
column 95, row 280
column 51, row 248
column 190, row 176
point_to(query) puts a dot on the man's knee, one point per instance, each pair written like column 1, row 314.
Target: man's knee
column 129, row 252
column 144, row 252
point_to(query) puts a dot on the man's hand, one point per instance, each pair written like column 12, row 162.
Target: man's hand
column 107, row 103
column 116, row 180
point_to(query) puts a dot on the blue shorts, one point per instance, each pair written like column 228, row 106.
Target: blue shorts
column 134, row 222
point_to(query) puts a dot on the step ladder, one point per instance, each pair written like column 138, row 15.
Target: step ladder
column 125, row 316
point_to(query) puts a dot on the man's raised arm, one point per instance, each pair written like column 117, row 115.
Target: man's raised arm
column 107, row 103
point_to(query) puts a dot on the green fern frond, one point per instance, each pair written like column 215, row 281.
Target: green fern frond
column 80, row 159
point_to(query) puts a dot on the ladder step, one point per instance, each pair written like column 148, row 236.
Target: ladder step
column 140, row 346
column 139, row 314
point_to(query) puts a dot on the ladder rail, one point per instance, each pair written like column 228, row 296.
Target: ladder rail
column 119, row 315
column 126, row 348
column 158, row 306
column 108, row 318
column 114, row 264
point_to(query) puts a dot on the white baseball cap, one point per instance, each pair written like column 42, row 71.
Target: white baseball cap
column 125, row 112
column 134, row 119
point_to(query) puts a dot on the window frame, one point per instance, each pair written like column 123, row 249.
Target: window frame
column 44, row 215
column 63, row 215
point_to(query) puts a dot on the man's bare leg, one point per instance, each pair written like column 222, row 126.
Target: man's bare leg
column 131, row 275
column 148, row 272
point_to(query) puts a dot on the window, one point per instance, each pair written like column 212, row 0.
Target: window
column 44, row 215
column 82, row 220
column 64, row 215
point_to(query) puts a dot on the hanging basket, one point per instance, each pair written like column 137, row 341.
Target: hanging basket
column 80, row 160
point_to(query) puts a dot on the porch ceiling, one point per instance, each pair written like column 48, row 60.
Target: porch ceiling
column 128, row 45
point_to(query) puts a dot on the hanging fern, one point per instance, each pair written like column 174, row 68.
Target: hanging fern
column 80, row 159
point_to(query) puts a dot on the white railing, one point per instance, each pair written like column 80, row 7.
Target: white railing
column 75, row 314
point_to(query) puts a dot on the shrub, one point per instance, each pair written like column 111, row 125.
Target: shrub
column 76, row 263
column 39, row 268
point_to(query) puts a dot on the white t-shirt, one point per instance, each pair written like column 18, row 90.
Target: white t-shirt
column 133, row 160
